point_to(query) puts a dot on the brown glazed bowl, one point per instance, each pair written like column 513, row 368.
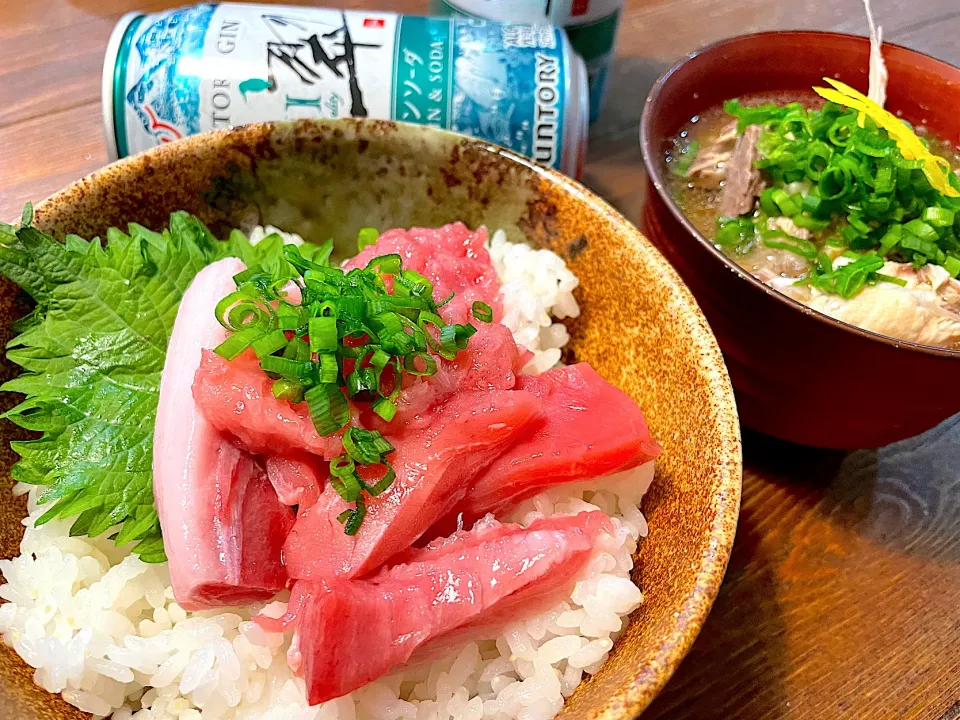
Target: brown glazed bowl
column 640, row 328
column 774, row 345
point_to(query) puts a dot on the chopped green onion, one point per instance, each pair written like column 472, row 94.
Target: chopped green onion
column 824, row 263
column 922, row 230
column 952, row 266
column 384, row 483
column 880, row 277
column 780, row 240
column 234, row 345
column 241, row 310
column 328, row 408
column 269, row 343
column 355, row 518
column 805, row 221
column 326, row 309
column 323, row 334
column 835, row 183
column 342, row 465
column 411, row 366
column 681, row 164
column 859, row 225
column 786, row 203
column 385, row 264
column 350, row 484
column 379, row 359
column 289, row 390
column 767, row 204
column 811, row 202
column 366, row 236
column 850, row 234
column 735, row 232
column 849, row 284
column 463, row 334
column 362, row 380
column 365, row 446
column 388, row 323
column 288, row 322
column 924, row 247
column 482, row 312
column 385, row 408
column 840, row 132
column 297, row 349
column 286, row 368
column 452, row 340
column 329, row 368
column 883, row 181
column 248, row 274
column 415, row 284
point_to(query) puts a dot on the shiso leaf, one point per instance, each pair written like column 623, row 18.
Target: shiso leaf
column 92, row 352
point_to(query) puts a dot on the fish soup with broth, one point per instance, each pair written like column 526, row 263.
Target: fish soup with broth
column 757, row 191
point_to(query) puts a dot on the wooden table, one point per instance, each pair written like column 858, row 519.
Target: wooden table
column 843, row 595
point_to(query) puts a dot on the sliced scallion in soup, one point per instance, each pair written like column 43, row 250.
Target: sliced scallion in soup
column 826, row 201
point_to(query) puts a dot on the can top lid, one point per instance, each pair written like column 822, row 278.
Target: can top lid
column 107, row 84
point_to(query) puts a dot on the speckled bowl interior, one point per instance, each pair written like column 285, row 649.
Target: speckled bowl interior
column 640, row 328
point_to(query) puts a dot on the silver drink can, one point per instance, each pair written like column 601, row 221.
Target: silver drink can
column 590, row 24
column 211, row 66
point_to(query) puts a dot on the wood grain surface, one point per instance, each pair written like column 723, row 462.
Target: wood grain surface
column 842, row 599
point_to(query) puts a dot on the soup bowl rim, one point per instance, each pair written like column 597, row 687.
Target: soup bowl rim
column 655, row 171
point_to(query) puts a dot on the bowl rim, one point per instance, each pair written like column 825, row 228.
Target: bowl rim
column 690, row 615
column 651, row 160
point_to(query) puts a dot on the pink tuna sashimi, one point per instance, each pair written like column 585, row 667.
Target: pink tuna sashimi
column 587, row 429
column 451, row 257
column 237, row 398
column 251, row 528
column 297, row 478
column 471, row 586
column 223, row 526
column 492, row 361
column 434, row 467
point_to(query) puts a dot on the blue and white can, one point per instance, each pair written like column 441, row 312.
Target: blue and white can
column 213, row 66
column 591, row 26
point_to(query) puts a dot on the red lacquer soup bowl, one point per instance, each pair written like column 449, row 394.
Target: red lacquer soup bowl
column 798, row 374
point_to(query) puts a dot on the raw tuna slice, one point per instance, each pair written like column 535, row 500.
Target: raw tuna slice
column 492, row 361
column 471, row 585
column 451, row 257
column 237, row 398
column 297, row 478
column 250, row 527
column 434, row 467
column 587, row 429
column 223, row 526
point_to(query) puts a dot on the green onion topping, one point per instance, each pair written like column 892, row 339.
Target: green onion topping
column 482, row 312
column 348, row 339
column 831, row 173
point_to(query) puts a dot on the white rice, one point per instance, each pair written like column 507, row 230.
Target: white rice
column 102, row 628
column 260, row 232
column 537, row 287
